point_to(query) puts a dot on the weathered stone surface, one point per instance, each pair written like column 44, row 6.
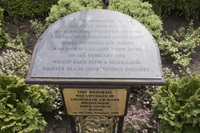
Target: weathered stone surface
column 96, row 44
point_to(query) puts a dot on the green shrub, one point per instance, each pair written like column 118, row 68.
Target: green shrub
column 3, row 36
column 65, row 7
column 38, row 27
column 26, row 8
column 163, row 7
column 21, row 106
column 191, row 9
column 177, row 105
column 1, row 15
column 15, row 63
column 141, row 11
column 1, row 29
column 181, row 45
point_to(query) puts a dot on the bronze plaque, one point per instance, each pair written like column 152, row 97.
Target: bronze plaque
column 95, row 102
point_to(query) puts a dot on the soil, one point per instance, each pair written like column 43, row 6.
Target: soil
column 54, row 125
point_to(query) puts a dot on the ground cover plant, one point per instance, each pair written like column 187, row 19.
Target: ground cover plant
column 181, row 45
column 21, row 106
column 139, row 120
column 15, row 63
column 177, row 105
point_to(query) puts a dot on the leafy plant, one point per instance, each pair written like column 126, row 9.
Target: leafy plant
column 163, row 7
column 57, row 101
column 177, row 105
column 38, row 27
column 15, row 63
column 21, row 106
column 65, row 7
column 139, row 120
column 191, row 9
column 1, row 15
column 140, row 96
column 26, row 8
column 181, row 45
column 3, row 35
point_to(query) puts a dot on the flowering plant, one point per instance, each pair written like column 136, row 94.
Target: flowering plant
column 139, row 120
column 14, row 63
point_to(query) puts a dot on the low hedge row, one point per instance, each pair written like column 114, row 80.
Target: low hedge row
column 26, row 8
column 189, row 8
column 3, row 35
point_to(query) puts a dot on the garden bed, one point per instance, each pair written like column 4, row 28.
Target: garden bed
column 54, row 125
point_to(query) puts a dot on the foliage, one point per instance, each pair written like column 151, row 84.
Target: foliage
column 177, row 105
column 15, row 63
column 65, row 7
column 181, row 45
column 191, row 9
column 38, row 27
column 19, row 43
column 56, row 96
column 139, row 120
column 57, row 101
column 1, row 15
column 169, row 74
column 140, row 96
column 163, row 7
column 147, row 95
column 26, row 8
column 1, row 29
column 5, row 39
column 14, row 44
column 21, row 106
column 3, row 36
column 141, row 11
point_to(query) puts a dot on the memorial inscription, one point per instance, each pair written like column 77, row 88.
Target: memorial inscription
column 96, row 56
column 101, row 102
column 96, row 44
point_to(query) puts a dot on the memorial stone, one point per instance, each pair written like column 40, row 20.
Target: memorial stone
column 96, row 47
column 96, row 56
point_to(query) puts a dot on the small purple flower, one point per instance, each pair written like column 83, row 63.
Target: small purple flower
column 140, row 120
